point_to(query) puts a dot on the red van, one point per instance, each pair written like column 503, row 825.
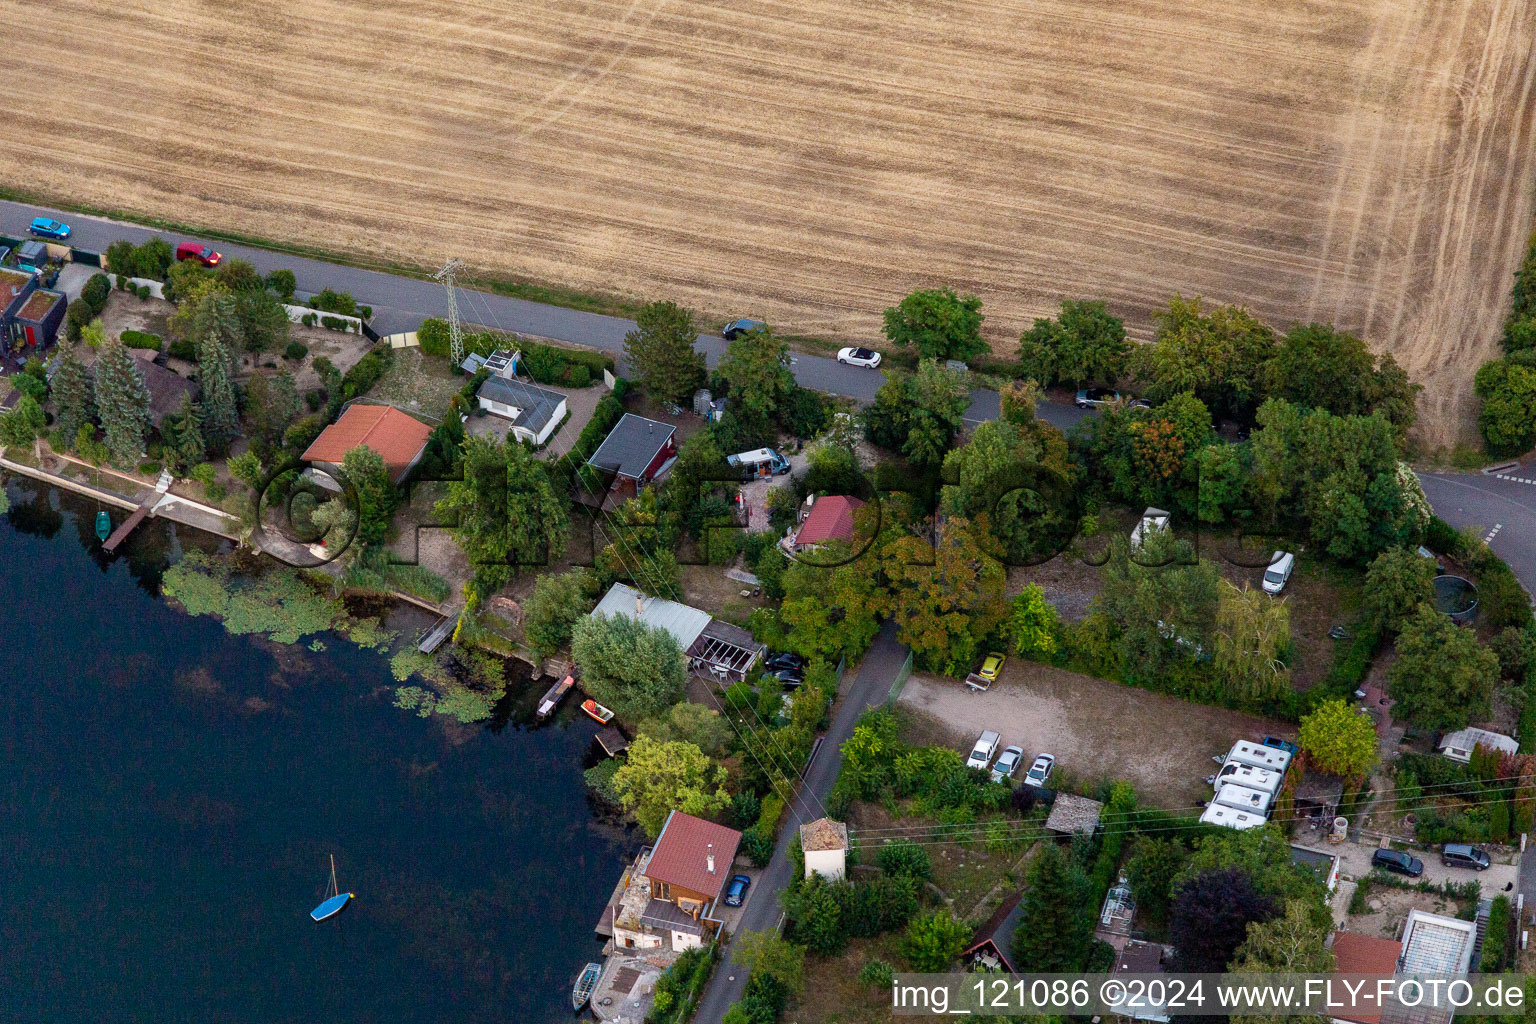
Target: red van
column 197, row 251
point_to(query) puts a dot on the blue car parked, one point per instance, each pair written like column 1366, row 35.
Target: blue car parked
column 50, row 228
column 737, row 890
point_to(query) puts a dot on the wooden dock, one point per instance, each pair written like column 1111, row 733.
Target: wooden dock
column 437, row 634
column 612, row 741
column 130, row 524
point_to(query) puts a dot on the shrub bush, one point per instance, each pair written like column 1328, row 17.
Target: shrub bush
column 75, row 318
column 141, row 339
column 150, row 468
column 361, row 378
column 94, row 294
column 282, row 283
column 314, row 398
column 336, row 323
column 434, row 337
column 1496, row 941
column 295, row 350
column 182, row 349
column 329, row 301
column 906, row 858
column 144, row 293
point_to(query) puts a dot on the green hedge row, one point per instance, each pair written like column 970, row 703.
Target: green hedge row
column 608, row 412
column 141, row 339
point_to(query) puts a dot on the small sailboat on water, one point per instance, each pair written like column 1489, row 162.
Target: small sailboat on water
column 582, row 990
column 597, row 711
column 334, row 901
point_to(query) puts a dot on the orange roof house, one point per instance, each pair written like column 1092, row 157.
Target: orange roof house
column 1364, row 954
column 831, row 518
column 399, row 438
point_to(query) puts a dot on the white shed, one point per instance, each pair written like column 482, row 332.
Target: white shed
column 825, row 845
column 1458, row 745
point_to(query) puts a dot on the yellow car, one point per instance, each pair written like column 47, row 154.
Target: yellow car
column 991, row 665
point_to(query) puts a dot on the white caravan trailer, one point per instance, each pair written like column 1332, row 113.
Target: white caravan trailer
column 1246, row 775
column 1259, row 756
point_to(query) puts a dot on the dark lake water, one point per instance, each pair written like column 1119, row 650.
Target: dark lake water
column 170, row 796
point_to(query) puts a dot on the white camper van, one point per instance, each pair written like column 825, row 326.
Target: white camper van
column 1241, row 799
column 1230, row 817
column 759, row 462
column 1259, row 756
column 1261, row 780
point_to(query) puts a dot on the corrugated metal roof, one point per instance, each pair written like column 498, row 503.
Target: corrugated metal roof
column 683, row 622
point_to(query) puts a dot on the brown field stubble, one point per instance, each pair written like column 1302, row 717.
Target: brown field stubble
column 1365, row 162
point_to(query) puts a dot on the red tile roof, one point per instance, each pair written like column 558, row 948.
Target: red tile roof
column 831, row 518
column 1364, row 954
column 390, row 432
column 681, row 856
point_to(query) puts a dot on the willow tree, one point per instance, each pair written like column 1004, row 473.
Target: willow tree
column 1252, row 631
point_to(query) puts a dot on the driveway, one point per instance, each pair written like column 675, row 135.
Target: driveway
column 1355, row 862
column 1096, row 729
column 870, row 686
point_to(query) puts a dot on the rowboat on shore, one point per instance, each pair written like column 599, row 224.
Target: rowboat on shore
column 555, row 695
column 582, row 990
column 334, row 901
column 597, row 711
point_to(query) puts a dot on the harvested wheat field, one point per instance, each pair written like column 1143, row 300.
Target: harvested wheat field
column 1365, row 162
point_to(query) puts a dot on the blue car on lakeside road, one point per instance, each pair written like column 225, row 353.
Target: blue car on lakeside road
column 50, row 228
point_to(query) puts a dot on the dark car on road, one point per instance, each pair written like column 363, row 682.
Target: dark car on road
column 1461, row 855
column 1397, row 862
column 784, row 659
column 736, row 328
column 737, row 890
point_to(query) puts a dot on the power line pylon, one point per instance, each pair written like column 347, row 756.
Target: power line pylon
column 455, row 333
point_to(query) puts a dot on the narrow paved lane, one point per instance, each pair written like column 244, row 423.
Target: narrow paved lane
column 870, row 687
column 401, row 303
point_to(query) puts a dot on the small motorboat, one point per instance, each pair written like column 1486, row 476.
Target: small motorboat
column 597, row 711
column 582, row 990
column 334, row 901
column 103, row 525
column 555, row 695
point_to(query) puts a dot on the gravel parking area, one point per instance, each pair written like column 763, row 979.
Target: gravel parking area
column 1096, row 729
column 1355, row 862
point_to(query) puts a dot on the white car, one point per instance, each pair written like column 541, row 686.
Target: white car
column 858, row 357
column 1007, row 763
column 1040, row 771
column 981, row 753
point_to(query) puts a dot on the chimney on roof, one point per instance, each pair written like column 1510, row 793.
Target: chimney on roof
column 709, row 858
column 639, row 604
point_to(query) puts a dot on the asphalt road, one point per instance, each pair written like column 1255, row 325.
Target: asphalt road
column 870, row 687
column 1490, row 504
column 401, row 303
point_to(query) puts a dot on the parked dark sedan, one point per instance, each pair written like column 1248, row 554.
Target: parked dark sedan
column 1397, row 862
column 784, row 659
column 736, row 328
column 788, row 677
column 737, row 890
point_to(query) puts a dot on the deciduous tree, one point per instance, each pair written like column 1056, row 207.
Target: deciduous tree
column 1219, row 354
column 919, row 414
column 1033, row 623
column 635, row 669
column 657, row 778
column 1396, row 582
column 756, row 366
column 1253, row 630
column 1339, row 739
column 1508, row 418
column 1210, row 916
column 1084, row 344
column 508, row 510
column 944, row 606
column 938, row 324
column 693, row 723
column 24, row 423
column 933, row 941
column 557, row 602
column 377, row 498
column 1443, row 678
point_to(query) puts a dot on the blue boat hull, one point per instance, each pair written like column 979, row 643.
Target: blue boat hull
column 330, row 907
